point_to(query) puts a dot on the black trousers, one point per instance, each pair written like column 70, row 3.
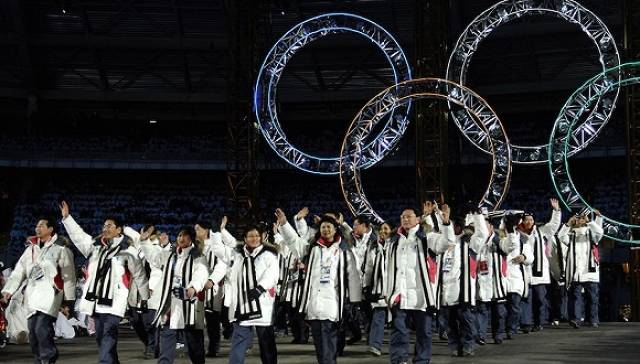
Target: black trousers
column 194, row 340
column 213, row 330
column 299, row 327
column 243, row 338
column 325, row 340
column 146, row 332
column 41, row 338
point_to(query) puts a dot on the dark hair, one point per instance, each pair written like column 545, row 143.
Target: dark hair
column 415, row 211
column 116, row 221
column 364, row 219
column 51, row 222
column 391, row 226
column 188, row 230
column 330, row 220
column 204, row 224
column 256, row 227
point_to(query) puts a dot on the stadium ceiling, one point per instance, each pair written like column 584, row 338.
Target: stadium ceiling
column 139, row 54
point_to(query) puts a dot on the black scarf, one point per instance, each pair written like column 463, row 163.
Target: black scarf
column 248, row 309
column 100, row 288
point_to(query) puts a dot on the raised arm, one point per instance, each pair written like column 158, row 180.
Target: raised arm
column 556, row 218
column 301, row 222
column 596, row 227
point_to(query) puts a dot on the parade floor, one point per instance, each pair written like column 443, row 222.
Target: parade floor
column 611, row 343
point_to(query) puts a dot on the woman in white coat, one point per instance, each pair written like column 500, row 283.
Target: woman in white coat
column 332, row 280
column 251, row 293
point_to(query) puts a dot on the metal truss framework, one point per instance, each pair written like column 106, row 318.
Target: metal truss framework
column 403, row 93
column 508, row 10
column 574, row 111
column 431, row 119
column 247, row 31
column 632, row 106
column 265, row 101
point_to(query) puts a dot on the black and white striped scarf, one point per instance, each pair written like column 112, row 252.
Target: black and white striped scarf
column 295, row 283
column 342, row 277
column 168, row 273
column 561, row 260
column 379, row 279
column 248, row 309
column 523, row 270
column 498, row 258
column 538, row 253
column 468, row 271
column 427, row 269
column 100, row 285
column 571, row 257
column 209, row 296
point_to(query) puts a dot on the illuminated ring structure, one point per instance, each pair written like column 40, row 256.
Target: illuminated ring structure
column 382, row 104
column 508, row 10
column 560, row 142
column 281, row 53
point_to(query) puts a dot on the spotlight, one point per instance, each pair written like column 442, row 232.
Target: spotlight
column 153, row 121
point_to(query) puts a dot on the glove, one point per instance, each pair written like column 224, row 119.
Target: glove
column 179, row 293
column 143, row 306
column 255, row 293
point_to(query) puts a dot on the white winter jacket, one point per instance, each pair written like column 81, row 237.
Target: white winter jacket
column 327, row 289
column 412, row 269
column 199, row 275
column 459, row 271
column 583, row 258
column 125, row 266
column 540, row 265
column 266, row 270
column 518, row 275
column 50, row 274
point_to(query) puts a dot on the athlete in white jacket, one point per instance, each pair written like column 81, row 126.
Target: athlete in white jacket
column 47, row 267
column 374, row 286
column 252, row 295
column 457, row 284
column 332, row 280
column 184, row 274
column 583, row 260
column 539, row 237
column 113, row 263
column 412, row 282
column 519, row 257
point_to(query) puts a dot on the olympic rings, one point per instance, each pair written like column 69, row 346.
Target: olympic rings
column 578, row 123
column 508, row 10
column 560, row 142
column 273, row 67
column 383, row 103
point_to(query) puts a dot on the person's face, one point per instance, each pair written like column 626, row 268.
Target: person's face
column 43, row 231
column 359, row 228
column 528, row 222
column 327, row 231
column 184, row 240
column 408, row 219
column 253, row 239
column 581, row 220
column 385, row 231
column 109, row 229
column 201, row 233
